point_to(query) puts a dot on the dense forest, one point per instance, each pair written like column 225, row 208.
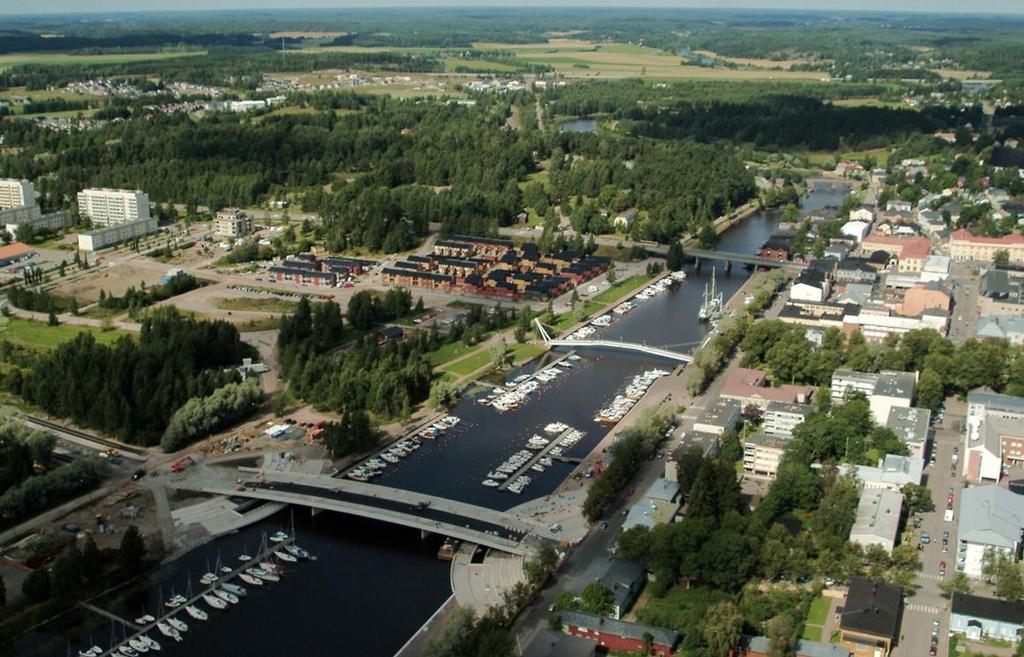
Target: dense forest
column 133, row 388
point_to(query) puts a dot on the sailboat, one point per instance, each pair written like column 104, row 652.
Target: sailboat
column 712, row 306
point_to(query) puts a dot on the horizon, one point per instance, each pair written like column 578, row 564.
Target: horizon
column 29, row 8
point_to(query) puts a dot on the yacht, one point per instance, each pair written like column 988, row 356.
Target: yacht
column 264, row 575
column 270, row 567
column 244, row 557
column 152, row 643
column 250, row 579
column 175, row 602
column 144, row 620
column 95, row 651
column 284, row 556
column 555, row 428
column 537, row 467
column 236, row 589
column 225, row 596
column 179, row 625
column 127, row 651
column 138, row 646
column 208, row 578
column 495, row 474
column 279, row 537
column 168, row 631
column 225, row 569
column 196, row 613
column 490, row 483
column 296, row 551
column 214, row 601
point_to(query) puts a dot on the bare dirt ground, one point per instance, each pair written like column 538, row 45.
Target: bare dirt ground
column 114, row 279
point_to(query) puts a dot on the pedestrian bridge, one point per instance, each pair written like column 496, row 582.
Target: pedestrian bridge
column 613, row 344
column 496, row 529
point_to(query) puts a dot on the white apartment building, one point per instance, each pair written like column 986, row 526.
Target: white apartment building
column 232, row 222
column 104, row 237
column 762, row 454
column 111, row 207
column 990, row 522
column 878, row 518
column 781, row 418
column 884, row 391
column 16, row 193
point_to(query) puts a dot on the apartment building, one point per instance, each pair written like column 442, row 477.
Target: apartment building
column 232, row 222
column 111, row 235
column 884, row 391
column 781, row 418
column 990, row 523
column 112, row 207
column 964, row 245
column 16, row 193
column 994, row 435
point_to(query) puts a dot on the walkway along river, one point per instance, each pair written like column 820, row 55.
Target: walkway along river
column 375, row 584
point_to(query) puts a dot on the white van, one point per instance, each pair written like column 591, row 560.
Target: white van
column 949, row 515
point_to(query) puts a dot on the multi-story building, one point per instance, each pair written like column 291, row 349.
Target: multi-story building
column 751, row 388
column 911, row 425
column 232, row 222
column 994, row 435
column 845, row 381
column 964, row 245
column 16, row 193
column 871, row 617
column 884, row 391
column 780, row 418
column 892, row 472
column 719, row 417
column 980, row 618
column 32, row 215
column 990, row 523
column 911, row 252
column 115, row 234
column 763, row 453
column 111, row 207
column 1002, row 293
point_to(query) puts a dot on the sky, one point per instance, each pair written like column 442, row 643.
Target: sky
column 62, row 6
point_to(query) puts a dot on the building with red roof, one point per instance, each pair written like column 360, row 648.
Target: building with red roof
column 964, row 245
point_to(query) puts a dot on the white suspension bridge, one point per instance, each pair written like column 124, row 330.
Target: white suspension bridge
column 613, row 344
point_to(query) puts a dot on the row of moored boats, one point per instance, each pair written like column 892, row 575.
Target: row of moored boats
column 219, row 595
column 601, row 321
column 622, row 403
column 391, row 455
column 564, row 437
column 517, row 390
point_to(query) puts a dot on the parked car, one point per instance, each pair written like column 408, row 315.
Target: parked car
column 138, row 474
column 925, row 538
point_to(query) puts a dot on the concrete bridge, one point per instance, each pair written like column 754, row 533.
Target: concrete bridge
column 612, row 344
column 757, row 261
column 497, row 529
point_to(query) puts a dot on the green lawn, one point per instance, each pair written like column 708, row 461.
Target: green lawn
column 818, row 612
column 566, row 320
column 7, row 61
column 471, row 364
column 812, row 633
column 621, row 288
column 448, row 353
column 522, row 352
column 271, row 305
column 38, row 335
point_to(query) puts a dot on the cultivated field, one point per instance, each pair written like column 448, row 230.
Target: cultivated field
column 6, row 61
column 753, row 62
column 963, row 75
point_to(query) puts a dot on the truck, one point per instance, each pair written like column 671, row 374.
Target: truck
column 181, row 464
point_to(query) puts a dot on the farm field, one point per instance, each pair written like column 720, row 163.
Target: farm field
column 6, row 61
column 753, row 62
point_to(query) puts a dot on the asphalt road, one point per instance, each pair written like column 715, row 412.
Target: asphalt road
column 928, row 602
column 964, row 322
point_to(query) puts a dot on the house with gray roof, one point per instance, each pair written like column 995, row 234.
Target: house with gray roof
column 893, row 472
column 758, row 646
column 623, row 578
column 979, row 618
column 1002, row 327
column 993, row 436
column 990, row 523
column 878, row 518
column 911, row 425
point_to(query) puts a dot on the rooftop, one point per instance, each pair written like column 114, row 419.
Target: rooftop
column 621, row 628
column 896, row 384
column 803, row 648
column 964, row 235
column 966, row 604
column 722, row 411
column 872, row 607
column 990, row 515
column 909, row 424
column 549, row 643
column 878, row 514
column 617, row 575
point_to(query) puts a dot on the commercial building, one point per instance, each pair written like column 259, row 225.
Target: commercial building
column 1002, row 327
column 622, row 578
column 810, row 285
column 763, row 453
column 893, row 390
column 780, row 418
column 964, row 245
column 876, row 327
column 719, row 417
column 112, row 207
column 659, row 506
column 911, row 425
column 15, row 252
column 994, row 435
column 870, row 617
column 936, row 269
column 989, row 524
column 925, row 296
column 16, row 193
column 620, row 635
column 751, row 388
column 910, row 252
column 232, row 222
column 115, row 234
column 878, row 518
column 979, row 618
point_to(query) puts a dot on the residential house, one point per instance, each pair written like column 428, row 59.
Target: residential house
column 926, row 296
column 989, row 524
column 1002, row 327
column 893, row 472
column 910, row 252
column 870, row 618
column 232, row 222
column 856, row 270
column 977, row 618
column 878, row 518
column 1001, row 293
column 856, row 230
column 777, row 247
column 817, row 315
column 857, row 294
column 624, row 220
column 811, row 285
column 863, row 214
column 659, row 506
column 549, row 643
column 622, row 578
column 760, row 646
column 936, row 269
column 883, row 390
column 838, row 249
column 620, row 635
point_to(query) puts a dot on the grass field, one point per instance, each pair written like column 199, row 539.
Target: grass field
column 575, row 58
column 37, row 335
column 621, row 288
column 471, row 364
column 812, row 633
column 524, row 352
column 825, row 158
column 752, row 62
column 963, row 75
column 448, row 353
column 6, row 61
column 271, row 305
column 818, row 612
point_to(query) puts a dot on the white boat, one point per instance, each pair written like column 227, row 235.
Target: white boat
column 296, row 551
column 196, row 613
column 226, row 597
column 555, row 428
column 127, row 651
column 95, row 651
column 138, row 646
column 144, row 620
column 495, row 474
column 490, row 483
column 537, row 467
column 249, row 579
column 264, row 575
column 390, row 458
column 270, row 567
column 244, row 557
column 208, row 578
column 179, row 625
column 236, row 589
column 175, row 602
column 214, row 601
column 284, row 556
column 279, row 537
column 225, row 570
column 168, row 631
column 152, row 643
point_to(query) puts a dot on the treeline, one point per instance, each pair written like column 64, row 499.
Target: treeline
column 136, row 299
column 132, row 388
column 39, row 301
column 41, row 492
column 784, row 351
column 202, row 416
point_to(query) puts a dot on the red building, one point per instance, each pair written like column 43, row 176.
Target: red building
column 618, row 634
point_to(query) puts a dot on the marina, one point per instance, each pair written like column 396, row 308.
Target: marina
column 538, row 454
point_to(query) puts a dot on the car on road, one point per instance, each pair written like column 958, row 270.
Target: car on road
column 925, row 538
column 933, row 650
column 604, row 525
column 138, row 474
column 942, row 569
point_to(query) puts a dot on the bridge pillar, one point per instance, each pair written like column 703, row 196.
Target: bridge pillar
column 696, row 263
column 728, row 266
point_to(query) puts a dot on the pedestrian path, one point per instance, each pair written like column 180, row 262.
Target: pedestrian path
column 923, row 608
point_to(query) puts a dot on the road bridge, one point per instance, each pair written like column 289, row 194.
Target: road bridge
column 612, row 344
column 497, row 529
column 739, row 258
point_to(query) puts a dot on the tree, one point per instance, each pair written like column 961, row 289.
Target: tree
column 1009, row 581
column 958, row 583
column 780, row 630
column 721, row 628
column 52, row 319
column 132, row 551
column 931, row 391
column 596, row 599
column 92, row 561
column 675, row 257
column 67, row 572
column 1001, row 257
column 36, row 587
column 919, row 498
column 611, row 274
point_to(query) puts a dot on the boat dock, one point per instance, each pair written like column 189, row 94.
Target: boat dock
column 537, row 457
column 223, row 578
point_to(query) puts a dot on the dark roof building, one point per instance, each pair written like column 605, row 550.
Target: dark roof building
column 623, row 578
column 978, row 618
column 871, row 615
column 619, row 635
column 549, row 643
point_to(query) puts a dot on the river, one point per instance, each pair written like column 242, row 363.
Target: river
column 375, row 584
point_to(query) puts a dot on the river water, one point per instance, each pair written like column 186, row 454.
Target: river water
column 374, row 584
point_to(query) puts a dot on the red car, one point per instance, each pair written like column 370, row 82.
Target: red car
column 942, row 569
